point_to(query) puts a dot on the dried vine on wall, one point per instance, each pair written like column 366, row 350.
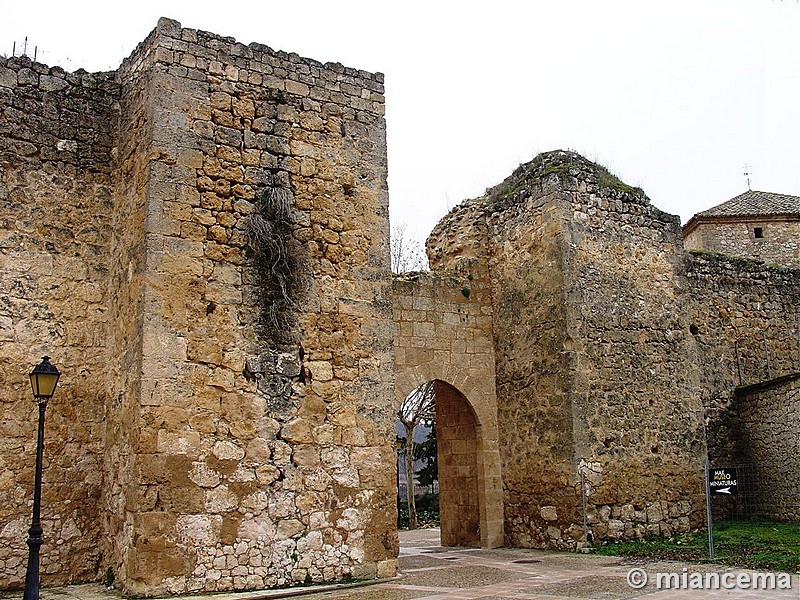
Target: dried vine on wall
column 269, row 231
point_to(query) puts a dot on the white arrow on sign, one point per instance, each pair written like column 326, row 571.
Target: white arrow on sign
column 726, row 490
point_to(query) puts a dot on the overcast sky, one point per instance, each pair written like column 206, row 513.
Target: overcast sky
column 676, row 97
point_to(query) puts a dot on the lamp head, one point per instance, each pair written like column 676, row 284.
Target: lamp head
column 44, row 379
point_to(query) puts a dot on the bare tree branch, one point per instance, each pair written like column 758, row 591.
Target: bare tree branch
column 406, row 253
column 418, row 407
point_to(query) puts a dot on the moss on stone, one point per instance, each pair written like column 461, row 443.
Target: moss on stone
column 563, row 164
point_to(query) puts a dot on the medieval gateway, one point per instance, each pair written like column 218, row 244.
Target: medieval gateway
column 200, row 241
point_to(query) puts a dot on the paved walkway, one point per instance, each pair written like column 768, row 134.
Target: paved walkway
column 431, row 572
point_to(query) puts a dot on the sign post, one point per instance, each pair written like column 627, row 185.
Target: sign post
column 719, row 482
column 708, row 513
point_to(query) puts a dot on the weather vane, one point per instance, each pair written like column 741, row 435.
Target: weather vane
column 747, row 175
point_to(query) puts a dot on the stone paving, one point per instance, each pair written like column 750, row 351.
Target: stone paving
column 431, row 572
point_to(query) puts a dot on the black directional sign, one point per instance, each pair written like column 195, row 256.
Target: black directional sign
column 722, row 482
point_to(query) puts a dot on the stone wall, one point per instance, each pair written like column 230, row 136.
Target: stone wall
column 638, row 419
column 744, row 322
column 590, row 346
column 780, row 241
column 56, row 202
column 245, row 399
column 744, row 319
column 457, row 449
column 443, row 333
column 767, row 415
column 254, row 461
column 444, row 320
column 532, row 375
column 125, row 333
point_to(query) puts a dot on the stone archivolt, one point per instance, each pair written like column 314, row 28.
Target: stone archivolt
column 201, row 440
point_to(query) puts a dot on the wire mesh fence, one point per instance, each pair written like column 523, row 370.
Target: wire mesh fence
column 753, row 500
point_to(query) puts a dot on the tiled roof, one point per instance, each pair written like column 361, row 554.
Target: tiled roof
column 753, row 203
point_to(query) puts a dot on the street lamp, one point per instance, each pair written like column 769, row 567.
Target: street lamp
column 44, row 379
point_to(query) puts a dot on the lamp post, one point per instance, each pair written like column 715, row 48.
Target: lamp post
column 44, row 379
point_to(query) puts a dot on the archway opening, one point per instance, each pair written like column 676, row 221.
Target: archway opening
column 451, row 420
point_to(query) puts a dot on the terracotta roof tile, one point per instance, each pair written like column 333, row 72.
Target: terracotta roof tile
column 753, row 203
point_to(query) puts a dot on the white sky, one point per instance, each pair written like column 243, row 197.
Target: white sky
column 675, row 97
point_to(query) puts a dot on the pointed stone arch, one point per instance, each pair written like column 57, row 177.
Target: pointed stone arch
column 479, row 397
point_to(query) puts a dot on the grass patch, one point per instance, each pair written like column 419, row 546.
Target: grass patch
column 607, row 179
column 763, row 545
column 563, row 164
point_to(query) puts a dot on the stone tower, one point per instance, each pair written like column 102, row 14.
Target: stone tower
column 591, row 346
column 200, row 240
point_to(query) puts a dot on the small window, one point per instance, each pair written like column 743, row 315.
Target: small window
column 758, row 232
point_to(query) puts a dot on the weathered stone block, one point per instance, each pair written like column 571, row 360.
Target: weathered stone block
column 549, row 513
column 179, row 442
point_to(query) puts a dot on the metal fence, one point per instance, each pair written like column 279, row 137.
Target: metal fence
column 753, row 501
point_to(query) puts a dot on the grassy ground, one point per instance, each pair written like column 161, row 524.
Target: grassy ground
column 767, row 546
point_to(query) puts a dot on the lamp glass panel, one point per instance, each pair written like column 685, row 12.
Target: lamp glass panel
column 44, row 384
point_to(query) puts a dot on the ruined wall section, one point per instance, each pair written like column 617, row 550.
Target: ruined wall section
column 256, row 462
column 591, row 344
column 514, row 235
column 56, row 200
column 638, row 419
column 745, row 320
column 536, row 439
column 460, row 241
